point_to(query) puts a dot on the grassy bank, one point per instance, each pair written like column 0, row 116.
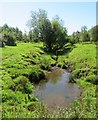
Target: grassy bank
column 27, row 63
column 82, row 63
column 22, row 65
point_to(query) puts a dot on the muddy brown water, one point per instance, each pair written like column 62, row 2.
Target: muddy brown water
column 57, row 91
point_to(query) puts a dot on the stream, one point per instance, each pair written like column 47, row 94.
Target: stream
column 56, row 90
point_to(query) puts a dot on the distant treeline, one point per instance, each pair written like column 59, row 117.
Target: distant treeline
column 85, row 35
column 10, row 36
column 52, row 33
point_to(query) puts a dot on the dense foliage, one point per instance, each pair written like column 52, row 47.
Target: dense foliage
column 10, row 36
column 52, row 33
column 85, row 35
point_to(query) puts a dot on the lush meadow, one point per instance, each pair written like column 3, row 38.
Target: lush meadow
column 26, row 64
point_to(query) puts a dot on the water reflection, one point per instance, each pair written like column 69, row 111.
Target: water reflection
column 57, row 91
column 54, row 76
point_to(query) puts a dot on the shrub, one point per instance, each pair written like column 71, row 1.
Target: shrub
column 36, row 77
column 36, row 74
column 91, row 79
column 75, row 73
column 23, row 84
column 9, row 40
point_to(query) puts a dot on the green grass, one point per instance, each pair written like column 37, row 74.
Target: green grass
column 27, row 63
column 83, row 66
column 83, row 55
column 21, row 66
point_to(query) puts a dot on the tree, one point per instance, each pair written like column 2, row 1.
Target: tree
column 9, row 40
column 25, row 37
column 84, row 36
column 93, row 32
column 53, row 34
column 35, row 34
column 5, row 27
column 10, row 35
column 59, row 38
column 46, row 34
column 35, row 23
column 18, row 34
column 30, row 36
column 75, row 37
column 2, row 44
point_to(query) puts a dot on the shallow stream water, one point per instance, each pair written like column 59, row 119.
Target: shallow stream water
column 57, row 91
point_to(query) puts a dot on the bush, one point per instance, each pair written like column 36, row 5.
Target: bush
column 36, row 74
column 75, row 73
column 91, row 79
column 7, row 82
column 78, row 73
column 9, row 40
column 23, row 84
column 36, row 77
